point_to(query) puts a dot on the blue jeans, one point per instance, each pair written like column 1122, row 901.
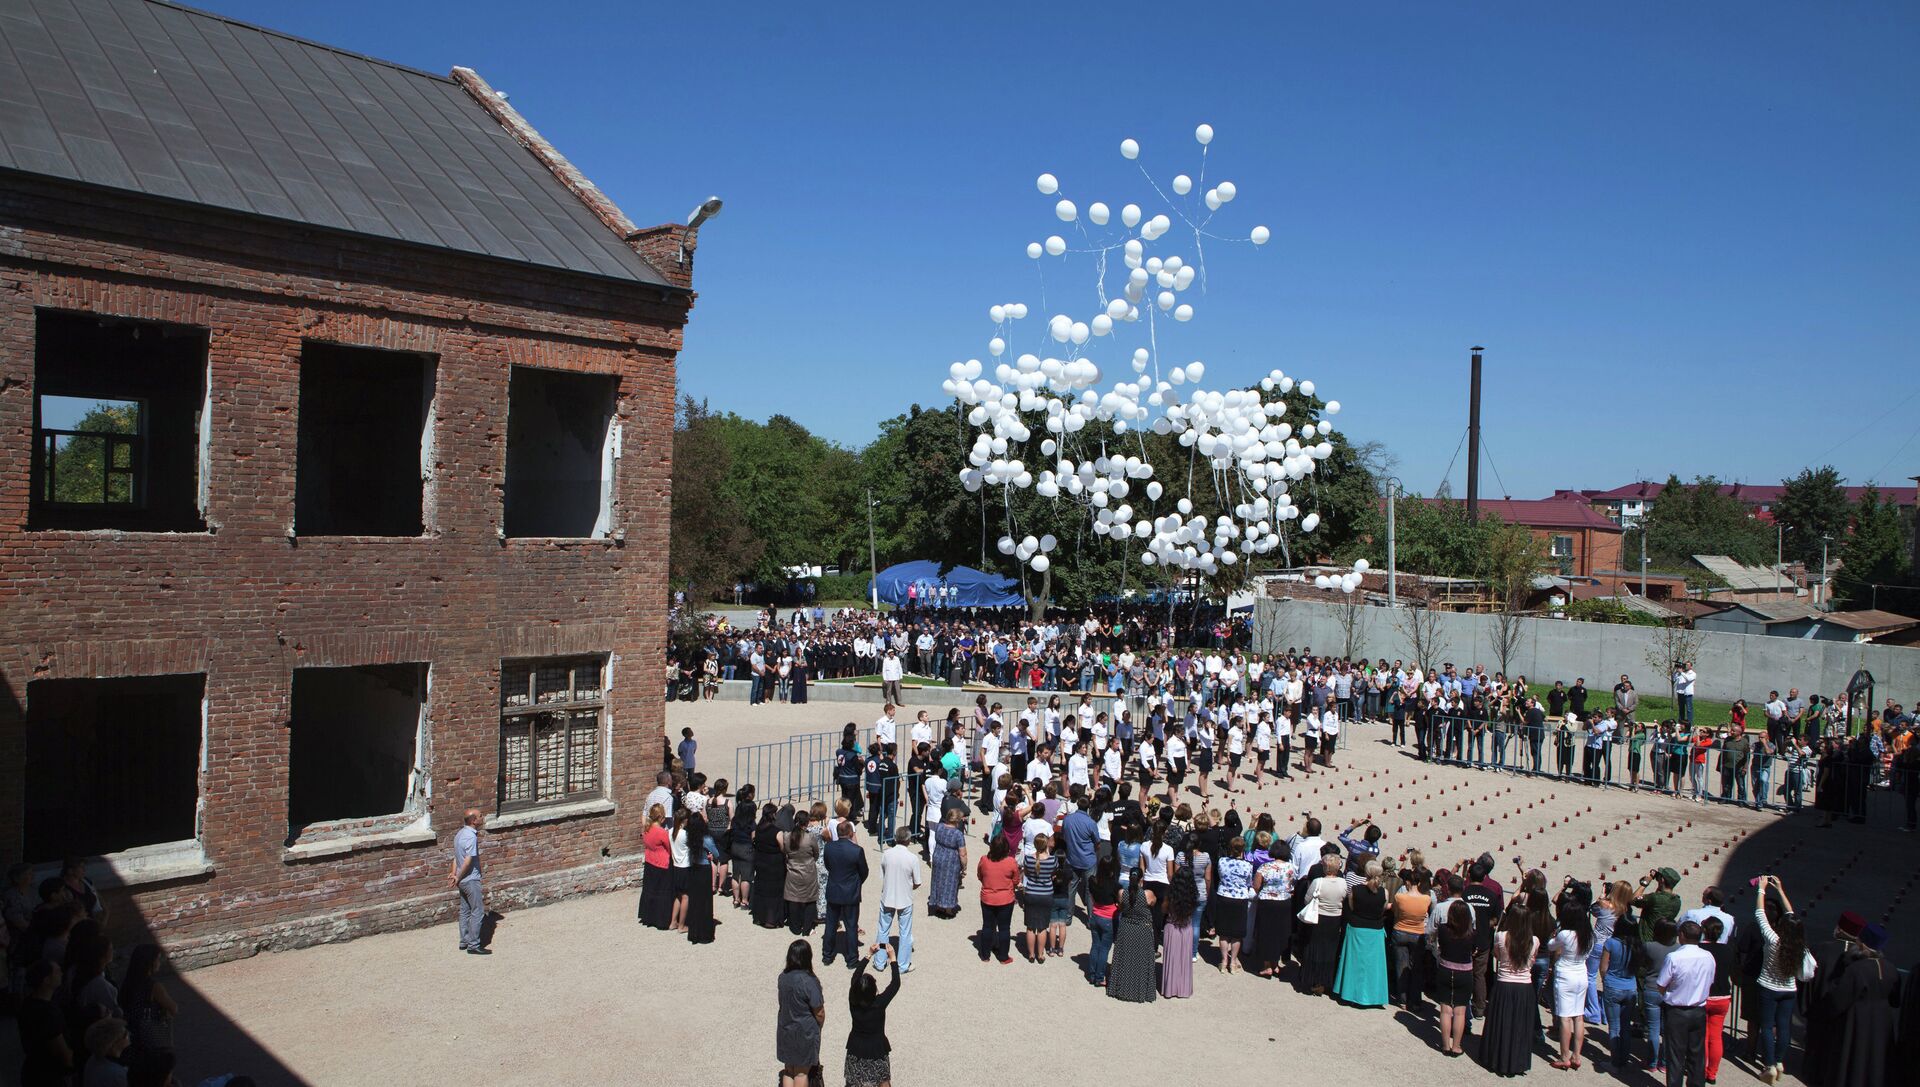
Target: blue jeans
column 1796, row 787
column 900, row 923
column 1685, row 708
column 1102, row 946
column 1776, row 1025
column 1477, row 747
column 1500, row 750
column 1615, row 1001
column 1698, row 772
column 1762, row 783
column 1653, row 1006
column 843, row 933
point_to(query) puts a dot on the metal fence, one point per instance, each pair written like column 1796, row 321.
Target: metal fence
column 799, row 769
column 1667, row 765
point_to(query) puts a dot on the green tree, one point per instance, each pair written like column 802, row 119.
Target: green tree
column 1813, row 505
column 710, row 543
column 1876, row 551
column 80, row 469
column 1698, row 519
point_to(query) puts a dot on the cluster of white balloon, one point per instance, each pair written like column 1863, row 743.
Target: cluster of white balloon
column 1253, row 453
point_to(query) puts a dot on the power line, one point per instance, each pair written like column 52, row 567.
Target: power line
column 1856, row 433
column 1496, row 469
column 1448, row 474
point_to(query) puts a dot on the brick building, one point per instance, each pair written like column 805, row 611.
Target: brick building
column 337, row 414
column 1577, row 540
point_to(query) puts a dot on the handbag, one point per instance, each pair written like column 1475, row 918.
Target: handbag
column 1310, row 913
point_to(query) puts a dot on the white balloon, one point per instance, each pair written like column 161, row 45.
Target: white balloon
column 1047, row 184
column 1056, row 245
column 1196, row 371
column 1129, row 149
column 1213, row 200
column 1332, row 408
column 1310, row 522
column 1361, row 566
column 1227, row 192
column 1306, row 388
column 997, row 313
column 1182, row 184
column 1154, row 490
column 1183, row 312
column 1260, row 235
column 1007, row 545
column 1034, row 250
column 1048, row 543
column 1066, row 211
column 1130, row 215
column 1097, row 213
column 1185, row 506
column 996, row 345
column 1204, row 134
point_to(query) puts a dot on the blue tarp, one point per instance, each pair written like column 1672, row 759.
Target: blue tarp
column 960, row 587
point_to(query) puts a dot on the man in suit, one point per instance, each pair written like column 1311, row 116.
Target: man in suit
column 846, row 871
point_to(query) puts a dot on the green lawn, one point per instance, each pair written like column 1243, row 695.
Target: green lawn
column 1654, row 707
column 911, row 681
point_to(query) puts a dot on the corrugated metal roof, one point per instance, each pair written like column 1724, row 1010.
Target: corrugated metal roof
column 171, row 102
column 1644, row 606
column 1743, row 578
column 1868, row 620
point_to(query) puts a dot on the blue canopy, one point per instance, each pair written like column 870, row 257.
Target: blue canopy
column 960, row 587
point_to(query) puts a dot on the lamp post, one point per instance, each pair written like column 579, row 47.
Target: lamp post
column 873, row 563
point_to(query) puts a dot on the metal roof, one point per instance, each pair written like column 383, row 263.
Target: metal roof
column 170, row 102
column 1869, row 621
column 1742, row 578
column 1642, row 605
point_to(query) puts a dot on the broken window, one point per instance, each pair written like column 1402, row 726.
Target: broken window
column 118, row 411
column 355, row 750
column 365, row 429
column 561, row 444
column 111, row 764
column 551, row 721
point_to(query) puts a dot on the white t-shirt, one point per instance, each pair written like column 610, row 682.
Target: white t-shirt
column 989, row 749
column 1263, row 735
column 1154, row 862
column 1236, row 740
column 1031, row 829
column 1077, row 770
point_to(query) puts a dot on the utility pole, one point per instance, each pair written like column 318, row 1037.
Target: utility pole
column 1643, row 558
column 873, row 563
column 1826, row 593
column 1393, row 573
column 1473, row 442
column 1779, row 554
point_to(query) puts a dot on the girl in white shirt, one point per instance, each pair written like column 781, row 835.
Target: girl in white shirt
column 1147, row 763
column 1236, row 750
column 1329, row 737
column 1176, row 766
column 1077, row 768
column 1310, row 737
column 1262, row 745
column 1110, row 762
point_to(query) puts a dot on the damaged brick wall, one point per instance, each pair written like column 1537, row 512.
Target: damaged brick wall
column 245, row 603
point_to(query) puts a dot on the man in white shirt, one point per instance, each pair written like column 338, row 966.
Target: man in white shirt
column 1710, row 901
column 990, row 754
column 662, row 795
column 1306, row 850
column 890, row 675
column 1685, row 978
column 1683, row 677
column 922, row 732
column 899, row 876
column 885, row 729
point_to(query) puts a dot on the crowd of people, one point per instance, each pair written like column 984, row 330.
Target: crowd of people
column 81, row 1022
column 1136, row 833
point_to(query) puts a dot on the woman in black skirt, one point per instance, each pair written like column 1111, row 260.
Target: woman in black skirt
column 1328, row 896
column 656, row 886
column 1513, row 1014
column 699, row 917
column 769, row 870
column 1273, row 910
column 1453, row 975
column 739, row 845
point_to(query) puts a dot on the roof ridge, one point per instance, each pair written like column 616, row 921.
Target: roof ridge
column 297, row 39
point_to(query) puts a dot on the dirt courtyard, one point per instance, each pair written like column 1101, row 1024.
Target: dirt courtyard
column 577, row 992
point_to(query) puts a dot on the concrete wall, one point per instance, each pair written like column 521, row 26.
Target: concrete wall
column 1730, row 665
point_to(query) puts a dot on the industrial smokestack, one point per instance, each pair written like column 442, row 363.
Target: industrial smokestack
column 1473, row 443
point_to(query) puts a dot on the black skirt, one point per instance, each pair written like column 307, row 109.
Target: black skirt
column 1453, row 988
column 700, row 922
column 1506, row 1040
column 801, row 916
column 1272, row 929
column 656, row 897
column 1322, row 962
column 1229, row 918
column 1037, row 910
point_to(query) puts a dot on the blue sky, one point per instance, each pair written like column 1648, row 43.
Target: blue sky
column 1686, row 234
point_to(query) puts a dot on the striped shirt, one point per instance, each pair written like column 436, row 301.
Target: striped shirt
column 1039, row 875
column 1770, row 976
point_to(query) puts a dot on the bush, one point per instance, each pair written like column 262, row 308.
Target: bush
column 1609, row 611
column 841, row 587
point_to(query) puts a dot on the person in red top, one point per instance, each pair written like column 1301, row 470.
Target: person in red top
column 656, row 891
column 998, row 875
column 1702, row 743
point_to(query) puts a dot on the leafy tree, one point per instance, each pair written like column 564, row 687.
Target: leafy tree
column 1876, row 551
column 1814, row 504
column 710, row 544
column 1698, row 519
column 80, row 472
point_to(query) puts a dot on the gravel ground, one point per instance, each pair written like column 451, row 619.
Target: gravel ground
column 577, row 992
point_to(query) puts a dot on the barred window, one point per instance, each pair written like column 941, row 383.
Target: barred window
column 552, row 717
